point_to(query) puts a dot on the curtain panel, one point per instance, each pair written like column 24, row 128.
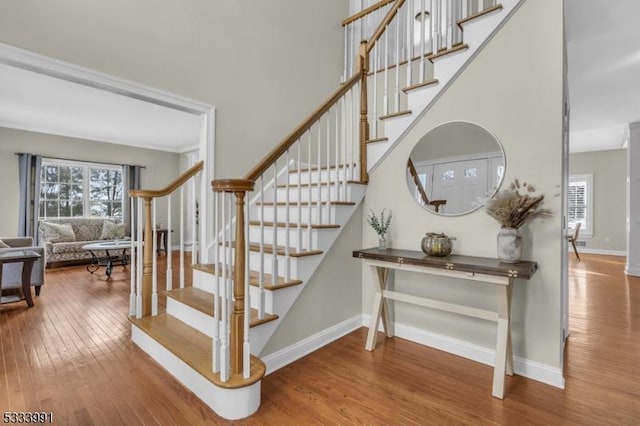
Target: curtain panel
column 29, row 166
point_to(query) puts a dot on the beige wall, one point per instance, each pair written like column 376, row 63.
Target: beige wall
column 514, row 89
column 263, row 64
column 160, row 167
column 332, row 295
column 609, row 169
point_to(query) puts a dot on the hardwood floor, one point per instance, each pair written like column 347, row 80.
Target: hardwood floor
column 71, row 354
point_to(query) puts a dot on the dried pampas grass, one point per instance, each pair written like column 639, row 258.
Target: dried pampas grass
column 513, row 208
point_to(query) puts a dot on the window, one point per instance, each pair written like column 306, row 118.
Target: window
column 581, row 203
column 70, row 189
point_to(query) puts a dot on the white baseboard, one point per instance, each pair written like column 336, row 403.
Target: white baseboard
column 286, row 356
column 600, row 251
column 523, row 367
column 632, row 271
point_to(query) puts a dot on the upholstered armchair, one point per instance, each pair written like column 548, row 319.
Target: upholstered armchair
column 12, row 272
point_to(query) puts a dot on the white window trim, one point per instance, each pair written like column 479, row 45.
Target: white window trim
column 86, row 165
column 588, row 177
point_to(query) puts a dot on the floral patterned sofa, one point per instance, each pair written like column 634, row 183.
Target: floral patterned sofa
column 63, row 238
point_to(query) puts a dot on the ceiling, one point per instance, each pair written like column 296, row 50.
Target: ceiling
column 603, row 53
column 40, row 103
column 603, row 49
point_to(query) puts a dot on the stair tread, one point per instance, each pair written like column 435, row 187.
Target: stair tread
column 382, row 139
column 254, row 277
column 268, row 248
column 202, row 301
column 295, row 203
column 295, row 185
column 479, row 14
column 441, row 53
column 431, row 82
column 394, row 114
column 294, row 225
column 194, row 348
column 322, row 168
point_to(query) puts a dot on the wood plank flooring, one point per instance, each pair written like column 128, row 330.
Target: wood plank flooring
column 71, row 354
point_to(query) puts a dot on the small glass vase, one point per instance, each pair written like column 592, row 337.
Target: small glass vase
column 382, row 242
column 509, row 245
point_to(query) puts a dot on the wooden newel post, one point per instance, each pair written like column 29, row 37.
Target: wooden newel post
column 236, row 339
column 363, row 67
column 147, row 262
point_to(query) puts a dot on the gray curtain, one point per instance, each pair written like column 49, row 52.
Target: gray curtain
column 131, row 180
column 29, row 166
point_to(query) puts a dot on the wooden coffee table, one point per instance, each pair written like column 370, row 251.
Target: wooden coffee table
column 116, row 254
column 27, row 257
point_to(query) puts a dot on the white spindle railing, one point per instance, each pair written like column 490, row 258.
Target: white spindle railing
column 146, row 207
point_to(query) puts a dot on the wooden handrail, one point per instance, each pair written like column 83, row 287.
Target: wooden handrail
column 386, row 21
column 423, row 194
column 261, row 167
column 416, row 180
column 154, row 193
column 365, row 12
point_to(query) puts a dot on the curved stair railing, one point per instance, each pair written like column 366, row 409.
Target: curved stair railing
column 144, row 271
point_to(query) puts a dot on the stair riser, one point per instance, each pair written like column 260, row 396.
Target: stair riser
column 331, row 176
column 334, row 214
column 323, row 193
column 317, row 239
column 230, row 404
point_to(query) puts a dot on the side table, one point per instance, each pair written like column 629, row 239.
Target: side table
column 27, row 257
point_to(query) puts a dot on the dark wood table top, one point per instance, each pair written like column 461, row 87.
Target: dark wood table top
column 481, row 265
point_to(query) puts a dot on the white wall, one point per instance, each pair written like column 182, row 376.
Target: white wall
column 265, row 65
column 514, row 89
column 609, row 169
column 160, row 167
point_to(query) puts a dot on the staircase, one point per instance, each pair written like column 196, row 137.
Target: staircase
column 272, row 228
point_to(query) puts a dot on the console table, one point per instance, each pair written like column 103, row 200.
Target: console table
column 480, row 269
column 27, row 258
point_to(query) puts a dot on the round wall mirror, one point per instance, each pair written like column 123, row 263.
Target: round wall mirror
column 453, row 166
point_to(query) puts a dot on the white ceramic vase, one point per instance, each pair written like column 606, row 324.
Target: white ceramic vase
column 509, row 245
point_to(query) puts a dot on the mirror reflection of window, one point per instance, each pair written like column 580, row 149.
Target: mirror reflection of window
column 457, row 163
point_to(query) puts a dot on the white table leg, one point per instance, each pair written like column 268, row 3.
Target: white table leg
column 503, row 304
column 380, row 308
column 509, row 347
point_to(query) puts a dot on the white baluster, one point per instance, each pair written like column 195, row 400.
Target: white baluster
column 465, row 8
column 194, row 226
column 154, row 265
column 396, row 21
column 287, row 220
column 215, row 353
column 374, row 121
column 246, row 348
column 169, row 272
column 422, row 38
column 385, row 98
column 309, row 192
column 133, row 266
column 345, row 76
column 343, row 148
column 449, row 21
column 410, row 41
column 480, row 6
column 274, row 257
column 328, row 212
column 319, row 166
column 337, row 146
column 182, row 270
column 262, row 254
column 299, row 216
column 224, row 332
column 139, row 263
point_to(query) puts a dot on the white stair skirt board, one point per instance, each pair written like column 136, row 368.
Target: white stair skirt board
column 522, row 366
column 477, row 33
column 231, row 404
column 291, row 353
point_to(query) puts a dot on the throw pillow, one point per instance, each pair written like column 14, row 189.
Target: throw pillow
column 112, row 231
column 3, row 244
column 57, row 232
